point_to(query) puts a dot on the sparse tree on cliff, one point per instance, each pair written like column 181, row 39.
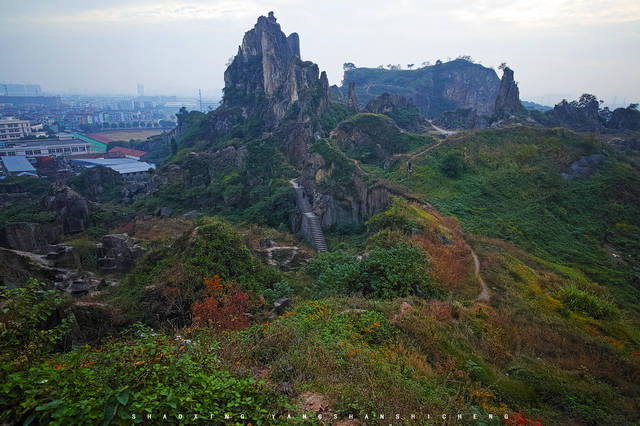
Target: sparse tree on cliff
column 348, row 66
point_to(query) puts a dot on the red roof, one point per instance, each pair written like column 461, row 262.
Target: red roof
column 128, row 151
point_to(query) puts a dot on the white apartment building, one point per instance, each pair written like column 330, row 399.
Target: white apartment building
column 11, row 129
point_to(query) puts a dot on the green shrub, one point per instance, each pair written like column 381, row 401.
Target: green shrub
column 279, row 290
column 382, row 273
column 585, row 303
column 132, row 376
column 28, row 327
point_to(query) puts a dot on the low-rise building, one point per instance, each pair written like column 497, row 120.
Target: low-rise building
column 43, row 147
column 17, row 166
column 128, row 152
column 127, row 167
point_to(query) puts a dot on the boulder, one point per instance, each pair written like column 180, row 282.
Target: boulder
column 71, row 209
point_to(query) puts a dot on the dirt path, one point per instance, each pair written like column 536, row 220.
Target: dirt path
column 484, row 295
column 441, row 130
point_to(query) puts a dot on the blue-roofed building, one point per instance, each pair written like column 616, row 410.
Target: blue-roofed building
column 16, row 164
column 127, row 167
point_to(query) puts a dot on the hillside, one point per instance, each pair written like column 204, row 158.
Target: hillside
column 492, row 273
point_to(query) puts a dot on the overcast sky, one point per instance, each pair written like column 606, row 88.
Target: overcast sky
column 558, row 48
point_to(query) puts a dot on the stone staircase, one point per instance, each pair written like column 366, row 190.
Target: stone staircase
column 310, row 222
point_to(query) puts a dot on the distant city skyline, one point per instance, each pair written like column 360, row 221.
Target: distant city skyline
column 558, row 49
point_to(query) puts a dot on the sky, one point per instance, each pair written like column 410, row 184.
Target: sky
column 558, row 49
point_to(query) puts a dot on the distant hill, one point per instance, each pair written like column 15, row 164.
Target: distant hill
column 535, row 106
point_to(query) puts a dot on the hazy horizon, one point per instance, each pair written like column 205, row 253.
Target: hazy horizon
column 557, row 49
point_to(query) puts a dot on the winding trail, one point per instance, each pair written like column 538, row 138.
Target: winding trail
column 441, row 130
column 484, row 295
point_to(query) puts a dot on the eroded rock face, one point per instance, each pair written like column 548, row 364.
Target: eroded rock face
column 70, row 209
column 508, row 100
column 268, row 65
column 118, row 253
column 352, row 100
column 33, row 237
column 461, row 119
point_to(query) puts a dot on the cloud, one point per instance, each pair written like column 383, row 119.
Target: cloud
column 151, row 13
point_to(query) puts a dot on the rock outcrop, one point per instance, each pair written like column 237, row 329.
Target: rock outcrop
column 400, row 109
column 508, row 100
column 70, row 209
column 268, row 66
column 624, row 119
column 461, row 119
column 33, row 237
column 117, row 253
column 352, row 100
column 579, row 115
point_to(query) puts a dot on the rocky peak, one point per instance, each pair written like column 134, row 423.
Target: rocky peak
column 268, row 64
column 508, row 100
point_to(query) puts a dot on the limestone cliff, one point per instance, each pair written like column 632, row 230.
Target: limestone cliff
column 352, row 100
column 433, row 89
column 268, row 78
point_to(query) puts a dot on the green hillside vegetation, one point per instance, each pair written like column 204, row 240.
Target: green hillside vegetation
column 391, row 320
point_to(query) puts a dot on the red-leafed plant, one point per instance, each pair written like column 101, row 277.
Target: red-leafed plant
column 224, row 306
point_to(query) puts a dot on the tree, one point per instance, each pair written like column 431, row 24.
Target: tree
column 223, row 307
column 502, row 66
column 438, row 62
column 426, row 63
column 410, row 66
column 586, row 100
column 348, row 66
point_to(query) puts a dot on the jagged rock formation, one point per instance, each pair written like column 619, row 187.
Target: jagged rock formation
column 268, row 67
column 71, row 210
column 624, row 118
column 433, row 89
column 508, row 100
column 352, row 100
column 400, row 109
column 578, row 115
column 33, row 237
column 117, row 253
